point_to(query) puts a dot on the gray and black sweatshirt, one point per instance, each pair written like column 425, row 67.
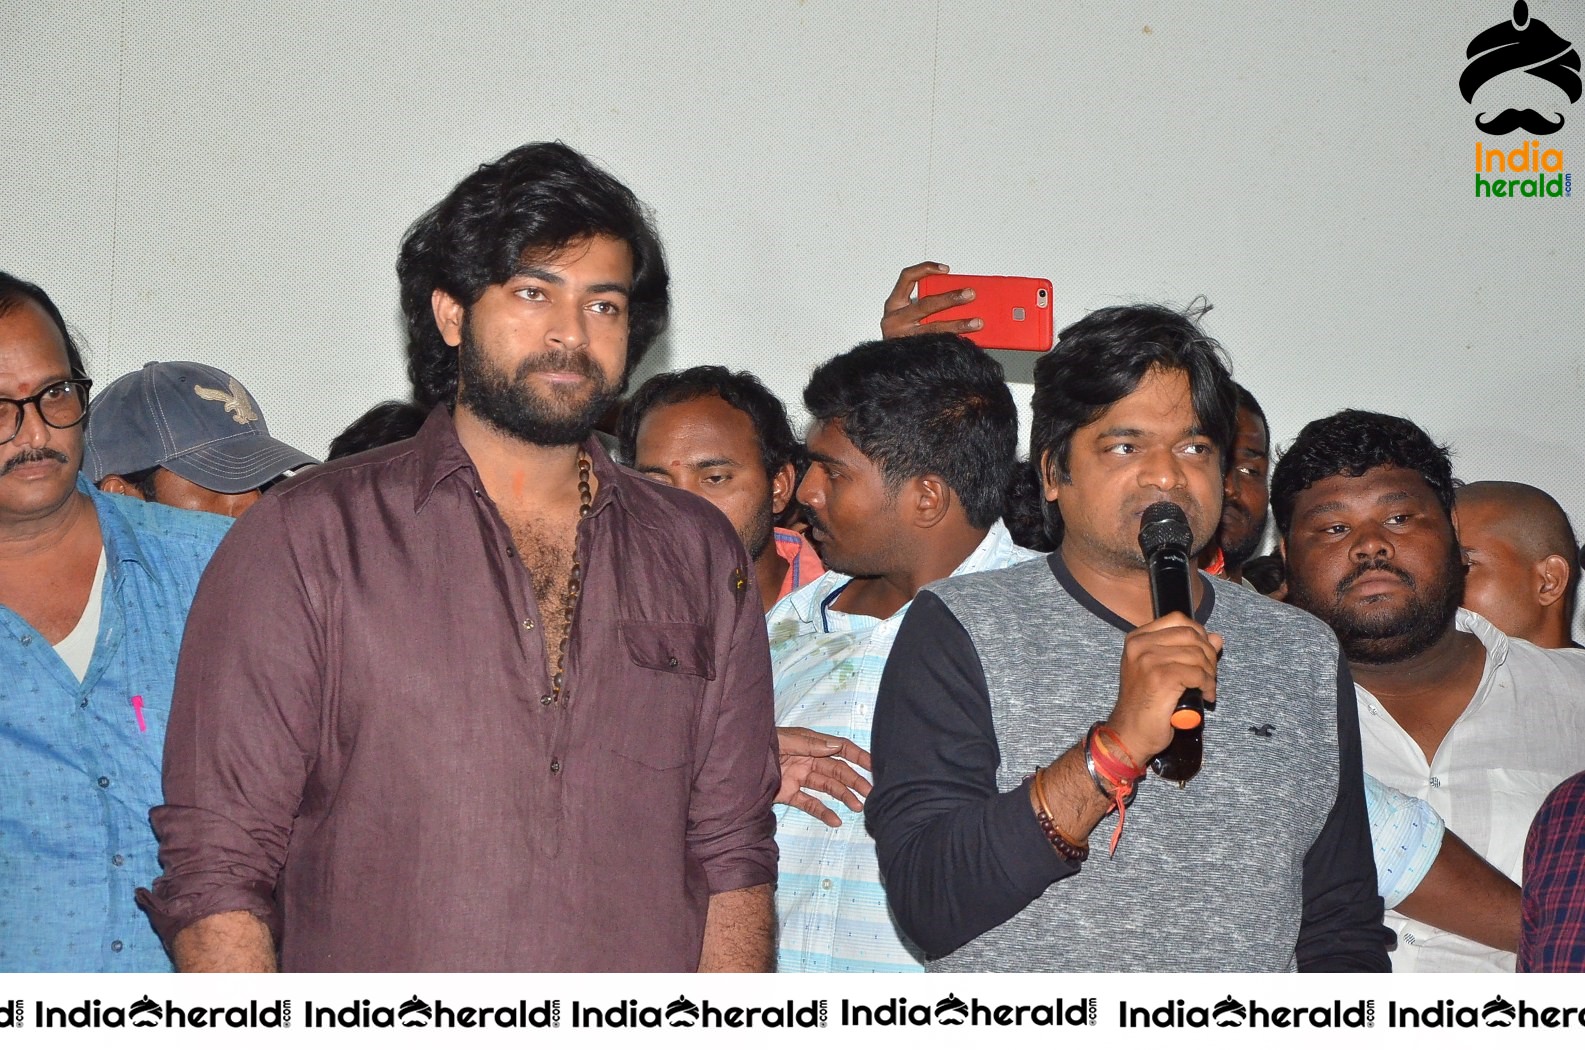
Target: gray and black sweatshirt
column 1262, row 862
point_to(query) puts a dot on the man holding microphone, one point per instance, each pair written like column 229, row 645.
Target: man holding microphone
column 1021, row 708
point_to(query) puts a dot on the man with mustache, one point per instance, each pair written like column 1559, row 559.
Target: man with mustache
column 1452, row 710
column 723, row 436
column 1020, row 709
column 482, row 700
column 912, row 451
column 1422, row 870
column 94, row 591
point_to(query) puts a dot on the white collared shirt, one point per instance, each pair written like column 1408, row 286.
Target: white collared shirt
column 1522, row 734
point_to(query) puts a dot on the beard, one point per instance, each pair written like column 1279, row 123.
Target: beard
column 1123, row 551
column 509, row 404
column 1385, row 637
column 757, row 535
column 873, row 556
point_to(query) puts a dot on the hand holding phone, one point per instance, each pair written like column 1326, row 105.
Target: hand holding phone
column 1014, row 312
column 905, row 315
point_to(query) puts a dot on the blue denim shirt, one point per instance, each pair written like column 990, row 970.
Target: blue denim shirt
column 79, row 769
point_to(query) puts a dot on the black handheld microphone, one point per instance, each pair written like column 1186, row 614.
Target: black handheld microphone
column 1164, row 539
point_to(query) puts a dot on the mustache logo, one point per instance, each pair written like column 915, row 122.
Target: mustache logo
column 1517, row 119
column 1527, row 44
column 33, row 455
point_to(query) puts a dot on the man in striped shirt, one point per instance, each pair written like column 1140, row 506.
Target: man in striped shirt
column 912, row 444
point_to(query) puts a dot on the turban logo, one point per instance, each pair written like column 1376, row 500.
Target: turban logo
column 682, row 1013
column 951, row 1010
column 1229, row 1012
column 145, row 1013
column 1522, row 43
column 414, row 1012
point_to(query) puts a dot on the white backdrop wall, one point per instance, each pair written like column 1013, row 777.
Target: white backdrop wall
column 229, row 183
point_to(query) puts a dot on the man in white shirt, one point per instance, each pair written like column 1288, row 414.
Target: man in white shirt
column 1481, row 725
column 912, row 443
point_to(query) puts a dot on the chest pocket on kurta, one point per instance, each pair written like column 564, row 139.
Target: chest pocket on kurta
column 672, row 664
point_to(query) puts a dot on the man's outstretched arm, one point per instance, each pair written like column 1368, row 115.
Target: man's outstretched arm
column 1463, row 894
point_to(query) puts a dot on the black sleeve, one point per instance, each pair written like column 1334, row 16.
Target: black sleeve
column 1340, row 930
column 957, row 857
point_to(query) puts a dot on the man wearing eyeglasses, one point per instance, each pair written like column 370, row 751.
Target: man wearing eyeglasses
column 94, row 591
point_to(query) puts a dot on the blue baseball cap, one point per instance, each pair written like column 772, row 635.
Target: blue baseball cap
column 194, row 420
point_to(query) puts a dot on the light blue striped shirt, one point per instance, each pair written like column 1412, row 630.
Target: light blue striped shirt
column 830, row 907
column 1407, row 835
column 80, row 761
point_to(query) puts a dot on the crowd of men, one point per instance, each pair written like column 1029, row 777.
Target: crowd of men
column 473, row 696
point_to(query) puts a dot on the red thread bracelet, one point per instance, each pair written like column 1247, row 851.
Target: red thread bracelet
column 1122, row 777
column 1132, row 770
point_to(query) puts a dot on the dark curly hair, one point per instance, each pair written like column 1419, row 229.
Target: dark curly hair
column 384, row 424
column 524, row 207
column 14, row 291
column 1101, row 359
column 925, row 404
column 1349, row 444
column 742, row 390
column 1025, row 514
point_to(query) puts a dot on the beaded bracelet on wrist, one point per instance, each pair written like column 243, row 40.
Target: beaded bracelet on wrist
column 1069, row 850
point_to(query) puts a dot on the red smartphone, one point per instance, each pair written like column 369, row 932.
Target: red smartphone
column 1016, row 310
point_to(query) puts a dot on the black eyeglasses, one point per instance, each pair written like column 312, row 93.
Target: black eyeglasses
column 61, row 405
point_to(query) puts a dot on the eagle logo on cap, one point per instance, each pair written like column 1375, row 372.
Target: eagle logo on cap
column 236, row 401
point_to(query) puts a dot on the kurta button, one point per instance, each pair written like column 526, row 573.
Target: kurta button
column 528, row 625
column 545, row 701
column 118, row 860
column 116, row 946
column 104, row 782
column 672, row 662
column 83, row 702
column 1436, row 782
column 555, row 766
